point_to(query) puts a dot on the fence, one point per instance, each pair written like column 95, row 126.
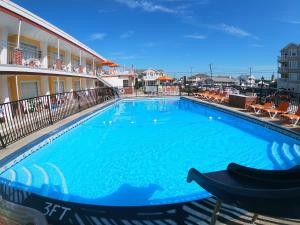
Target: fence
column 21, row 118
column 151, row 91
column 264, row 94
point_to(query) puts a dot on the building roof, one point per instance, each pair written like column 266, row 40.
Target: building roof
column 222, row 79
column 199, row 75
column 291, row 45
column 14, row 10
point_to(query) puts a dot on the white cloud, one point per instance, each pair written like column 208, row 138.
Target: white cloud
column 147, row 6
column 232, row 30
column 97, row 36
column 127, row 34
column 198, row 37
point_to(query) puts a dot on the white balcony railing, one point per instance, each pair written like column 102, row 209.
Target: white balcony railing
column 34, row 58
column 29, row 57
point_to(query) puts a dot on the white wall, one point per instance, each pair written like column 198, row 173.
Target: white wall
column 4, row 93
column 44, row 60
column 3, row 45
column 115, row 81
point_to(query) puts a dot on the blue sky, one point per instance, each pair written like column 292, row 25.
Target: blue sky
column 176, row 35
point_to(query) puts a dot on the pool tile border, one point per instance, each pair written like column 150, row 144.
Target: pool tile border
column 25, row 151
column 250, row 118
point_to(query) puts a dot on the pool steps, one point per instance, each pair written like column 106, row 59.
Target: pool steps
column 38, row 175
column 284, row 155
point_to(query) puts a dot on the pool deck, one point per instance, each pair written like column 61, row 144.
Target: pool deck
column 196, row 212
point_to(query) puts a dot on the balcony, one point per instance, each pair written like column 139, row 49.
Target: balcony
column 33, row 60
column 283, row 58
column 25, row 57
column 283, row 70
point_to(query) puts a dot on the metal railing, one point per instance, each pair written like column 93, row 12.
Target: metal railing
column 31, row 58
column 150, row 91
column 21, row 118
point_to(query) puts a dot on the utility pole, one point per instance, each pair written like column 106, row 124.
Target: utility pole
column 211, row 75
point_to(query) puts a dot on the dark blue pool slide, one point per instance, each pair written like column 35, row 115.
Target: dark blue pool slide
column 274, row 193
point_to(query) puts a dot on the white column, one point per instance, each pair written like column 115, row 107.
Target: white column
column 4, row 44
column 68, row 61
column 17, row 88
column 45, row 85
column 69, row 85
column 44, row 59
column 84, row 64
column 4, row 93
column 19, row 33
column 58, row 53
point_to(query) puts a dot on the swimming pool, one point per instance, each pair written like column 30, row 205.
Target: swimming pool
column 138, row 153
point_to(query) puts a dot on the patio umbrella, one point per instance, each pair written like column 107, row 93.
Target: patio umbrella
column 113, row 65
column 165, row 78
column 106, row 63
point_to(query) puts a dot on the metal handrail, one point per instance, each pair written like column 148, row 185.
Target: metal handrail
column 26, row 116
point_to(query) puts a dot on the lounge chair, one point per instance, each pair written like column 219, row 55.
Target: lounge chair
column 221, row 97
column 272, row 193
column 212, row 95
column 282, row 108
column 204, row 94
column 258, row 107
column 294, row 118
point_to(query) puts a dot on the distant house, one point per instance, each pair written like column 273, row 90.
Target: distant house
column 289, row 69
column 246, row 80
column 149, row 78
column 220, row 81
column 197, row 79
column 121, row 78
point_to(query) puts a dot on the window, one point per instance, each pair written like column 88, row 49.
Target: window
column 293, row 76
column 54, row 57
column 59, row 86
column 293, row 52
column 76, row 85
column 152, row 83
column 30, row 51
column 125, row 83
column 29, row 89
column 75, row 62
column 88, row 68
column 293, row 65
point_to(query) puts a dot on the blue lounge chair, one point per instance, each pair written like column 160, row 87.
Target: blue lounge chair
column 272, row 193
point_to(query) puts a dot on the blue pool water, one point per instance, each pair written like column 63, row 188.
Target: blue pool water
column 139, row 152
